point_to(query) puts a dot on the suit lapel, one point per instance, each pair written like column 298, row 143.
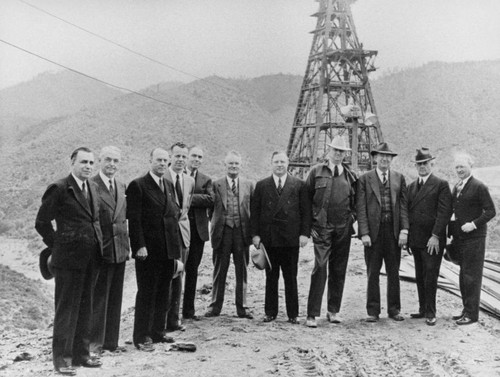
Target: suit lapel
column 105, row 194
column 222, row 185
column 77, row 191
column 424, row 190
column 287, row 190
column 241, row 192
column 394, row 188
column 120, row 199
column 374, row 184
column 155, row 189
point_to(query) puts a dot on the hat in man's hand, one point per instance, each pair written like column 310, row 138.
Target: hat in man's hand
column 46, row 264
column 423, row 155
column 259, row 257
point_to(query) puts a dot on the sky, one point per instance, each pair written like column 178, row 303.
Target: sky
column 230, row 38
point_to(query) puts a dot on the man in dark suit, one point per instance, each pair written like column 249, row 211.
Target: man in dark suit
column 331, row 187
column 184, row 188
column 382, row 210
column 76, row 245
column 203, row 200
column 230, row 234
column 429, row 210
column 108, row 291
column 472, row 209
column 155, row 241
column 281, row 219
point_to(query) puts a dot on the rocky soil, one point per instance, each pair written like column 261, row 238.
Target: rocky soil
column 230, row 346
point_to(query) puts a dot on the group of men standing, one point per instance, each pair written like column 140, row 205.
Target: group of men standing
column 168, row 210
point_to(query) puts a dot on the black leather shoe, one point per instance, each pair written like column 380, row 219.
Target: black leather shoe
column 66, row 371
column 88, row 363
column 457, row 317
column 164, row 339
column 145, row 347
column 211, row 313
column 191, row 317
column 178, row 327
column 269, row 318
column 417, row 315
column 431, row 321
column 246, row 315
column 293, row 321
column 465, row 320
column 397, row 317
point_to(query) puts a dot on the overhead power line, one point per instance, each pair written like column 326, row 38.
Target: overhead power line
column 121, row 87
column 123, row 46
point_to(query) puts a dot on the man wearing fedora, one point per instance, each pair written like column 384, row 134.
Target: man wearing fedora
column 108, row 291
column 383, row 224
column 429, row 211
column 331, row 188
column 472, row 209
column 76, row 244
column 230, row 234
column 281, row 220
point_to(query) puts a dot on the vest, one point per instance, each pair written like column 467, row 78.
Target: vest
column 232, row 211
column 385, row 197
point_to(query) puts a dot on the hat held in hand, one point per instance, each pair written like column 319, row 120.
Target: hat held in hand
column 46, row 264
column 259, row 257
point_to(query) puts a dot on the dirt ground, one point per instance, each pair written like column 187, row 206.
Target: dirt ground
column 230, row 346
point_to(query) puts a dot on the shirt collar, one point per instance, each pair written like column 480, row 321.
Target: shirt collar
column 464, row 181
column 155, row 177
column 173, row 174
column 331, row 166
column 190, row 172
column 283, row 179
column 79, row 182
column 425, row 178
column 230, row 180
column 380, row 176
column 106, row 179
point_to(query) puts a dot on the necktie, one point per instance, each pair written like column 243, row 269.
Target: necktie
column 162, row 188
column 336, row 171
column 460, row 186
column 279, row 188
column 111, row 189
column 178, row 189
column 193, row 172
column 419, row 184
column 233, row 188
column 84, row 190
column 384, row 178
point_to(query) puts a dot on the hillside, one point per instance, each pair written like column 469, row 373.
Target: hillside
column 444, row 106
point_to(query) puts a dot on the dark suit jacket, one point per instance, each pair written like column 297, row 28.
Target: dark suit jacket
column 203, row 200
column 245, row 191
column 473, row 204
column 280, row 220
column 153, row 219
column 429, row 211
column 78, row 233
column 369, row 204
column 113, row 220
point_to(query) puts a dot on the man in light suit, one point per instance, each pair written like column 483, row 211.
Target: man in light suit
column 108, row 291
column 203, row 200
column 230, row 234
column 281, row 219
column 184, row 188
column 382, row 210
column 153, row 216
column 472, row 209
column 76, row 244
column 429, row 210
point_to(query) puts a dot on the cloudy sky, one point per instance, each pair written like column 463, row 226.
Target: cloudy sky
column 229, row 38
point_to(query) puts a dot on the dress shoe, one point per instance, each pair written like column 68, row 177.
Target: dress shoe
column 431, row 321
column 178, row 327
column 145, row 347
column 211, row 313
column 465, row 320
column 269, row 318
column 397, row 317
column 333, row 317
column 293, row 320
column 164, row 339
column 191, row 317
column 457, row 317
column 88, row 363
column 417, row 315
column 118, row 349
column 372, row 318
column 311, row 322
column 66, row 371
column 246, row 315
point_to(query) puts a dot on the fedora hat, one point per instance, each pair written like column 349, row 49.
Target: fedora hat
column 45, row 263
column 382, row 148
column 259, row 257
column 339, row 143
column 423, row 154
column 452, row 254
column 178, row 268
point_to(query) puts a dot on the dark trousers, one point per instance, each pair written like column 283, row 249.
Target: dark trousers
column 386, row 250
column 287, row 259
column 427, row 274
column 73, row 313
column 176, row 295
column 232, row 243
column 153, row 283
column 331, row 254
column 107, row 306
column 191, row 271
column 471, row 274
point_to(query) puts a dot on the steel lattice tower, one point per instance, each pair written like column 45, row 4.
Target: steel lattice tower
column 335, row 97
